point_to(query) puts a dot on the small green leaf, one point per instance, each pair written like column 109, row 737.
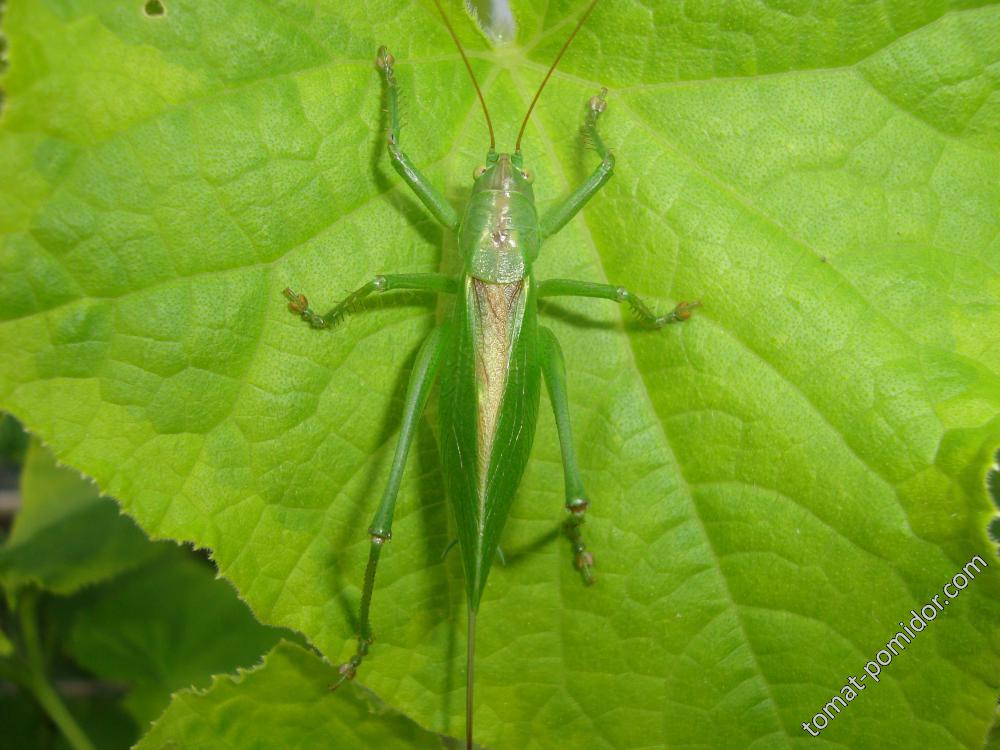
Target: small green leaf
column 6, row 647
column 66, row 535
column 167, row 625
column 285, row 702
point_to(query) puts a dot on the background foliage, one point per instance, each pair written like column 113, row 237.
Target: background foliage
column 115, row 622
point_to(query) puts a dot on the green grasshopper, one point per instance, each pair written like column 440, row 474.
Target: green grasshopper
column 490, row 353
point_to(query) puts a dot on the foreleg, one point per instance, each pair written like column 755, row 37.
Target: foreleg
column 428, row 194
column 558, row 217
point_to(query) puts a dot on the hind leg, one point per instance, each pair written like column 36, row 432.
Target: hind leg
column 425, row 371
column 554, row 370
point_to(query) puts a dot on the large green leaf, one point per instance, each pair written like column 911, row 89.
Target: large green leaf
column 775, row 484
column 283, row 702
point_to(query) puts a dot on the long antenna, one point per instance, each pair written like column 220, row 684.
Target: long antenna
column 447, row 23
column 520, row 133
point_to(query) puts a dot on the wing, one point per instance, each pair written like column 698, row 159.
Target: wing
column 489, row 406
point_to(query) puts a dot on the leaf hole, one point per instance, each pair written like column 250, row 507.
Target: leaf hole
column 495, row 18
column 154, row 8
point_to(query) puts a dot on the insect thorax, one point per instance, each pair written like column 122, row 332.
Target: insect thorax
column 499, row 236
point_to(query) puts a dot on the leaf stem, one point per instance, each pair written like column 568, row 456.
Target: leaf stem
column 36, row 677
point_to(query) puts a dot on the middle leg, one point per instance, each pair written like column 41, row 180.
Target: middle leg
column 421, row 282
column 572, row 288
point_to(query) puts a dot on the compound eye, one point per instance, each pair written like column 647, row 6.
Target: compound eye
column 479, row 172
column 528, row 175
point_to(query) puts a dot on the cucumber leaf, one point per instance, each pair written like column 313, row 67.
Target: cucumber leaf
column 775, row 484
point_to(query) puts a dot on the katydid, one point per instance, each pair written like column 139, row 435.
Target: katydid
column 490, row 354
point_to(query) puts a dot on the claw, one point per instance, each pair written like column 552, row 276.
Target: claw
column 598, row 103
column 297, row 303
column 683, row 309
column 347, row 671
column 384, row 58
column 585, row 564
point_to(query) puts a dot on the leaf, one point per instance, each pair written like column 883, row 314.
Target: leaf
column 775, row 484
column 168, row 625
column 26, row 726
column 13, row 442
column 164, row 625
column 66, row 535
column 993, row 741
column 290, row 689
